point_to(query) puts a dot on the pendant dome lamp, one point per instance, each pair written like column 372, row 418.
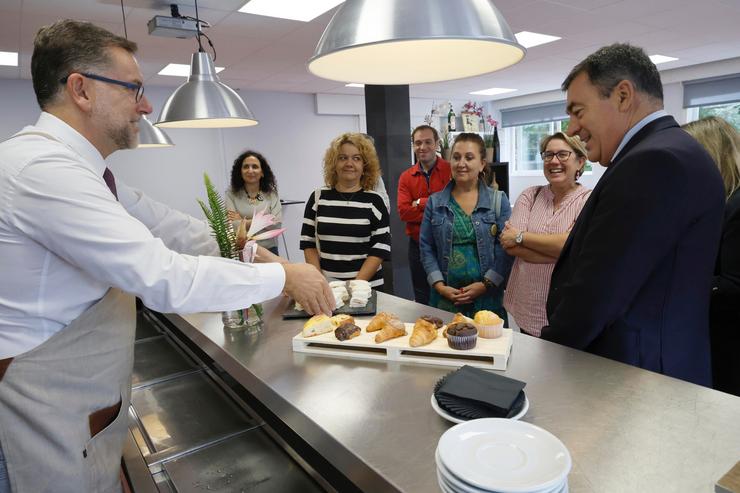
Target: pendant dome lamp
column 204, row 101
column 151, row 136
column 389, row 42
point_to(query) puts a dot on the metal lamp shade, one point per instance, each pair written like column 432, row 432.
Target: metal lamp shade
column 151, row 136
column 414, row 41
column 204, row 102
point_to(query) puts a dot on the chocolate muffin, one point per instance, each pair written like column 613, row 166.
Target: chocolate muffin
column 434, row 320
column 462, row 335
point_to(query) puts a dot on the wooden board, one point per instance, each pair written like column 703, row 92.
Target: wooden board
column 488, row 353
column 369, row 309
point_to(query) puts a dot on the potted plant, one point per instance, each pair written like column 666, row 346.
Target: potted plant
column 240, row 246
column 488, row 140
column 491, row 140
column 445, row 146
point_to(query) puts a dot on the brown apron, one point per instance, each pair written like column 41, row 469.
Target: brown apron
column 64, row 404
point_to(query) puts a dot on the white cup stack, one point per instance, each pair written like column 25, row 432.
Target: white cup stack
column 496, row 455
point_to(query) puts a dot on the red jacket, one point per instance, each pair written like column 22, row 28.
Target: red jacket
column 412, row 185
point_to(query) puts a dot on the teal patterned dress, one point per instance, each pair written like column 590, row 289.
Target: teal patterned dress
column 464, row 269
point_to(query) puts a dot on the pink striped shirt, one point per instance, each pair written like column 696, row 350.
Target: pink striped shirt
column 526, row 291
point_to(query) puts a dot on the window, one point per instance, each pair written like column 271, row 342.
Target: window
column 520, row 146
column 718, row 96
column 729, row 111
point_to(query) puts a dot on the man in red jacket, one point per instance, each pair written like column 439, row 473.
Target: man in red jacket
column 430, row 174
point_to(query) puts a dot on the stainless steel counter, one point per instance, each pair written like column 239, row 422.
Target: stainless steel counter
column 627, row 429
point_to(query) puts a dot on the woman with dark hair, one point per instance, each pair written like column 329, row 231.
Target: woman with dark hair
column 346, row 233
column 459, row 242
column 253, row 187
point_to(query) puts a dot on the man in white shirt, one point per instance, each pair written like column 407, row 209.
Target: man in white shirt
column 74, row 247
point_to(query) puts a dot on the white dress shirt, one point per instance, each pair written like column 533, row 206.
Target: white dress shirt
column 65, row 240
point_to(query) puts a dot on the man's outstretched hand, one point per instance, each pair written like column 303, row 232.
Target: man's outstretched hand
column 305, row 284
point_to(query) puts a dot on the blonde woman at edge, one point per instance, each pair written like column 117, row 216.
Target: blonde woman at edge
column 722, row 142
column 539, row 225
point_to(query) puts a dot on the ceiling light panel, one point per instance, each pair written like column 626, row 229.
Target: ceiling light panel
column 493, row 91
column 656, row 59
column 530, row 39
column 9, row 58
column 297, row 10
column 180, row 70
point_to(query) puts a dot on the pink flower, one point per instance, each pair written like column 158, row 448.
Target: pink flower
column 473, row 107
column 260, row 221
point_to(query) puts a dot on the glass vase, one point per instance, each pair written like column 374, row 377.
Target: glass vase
column 245, row 317
column 233, row 319
column 242, row 319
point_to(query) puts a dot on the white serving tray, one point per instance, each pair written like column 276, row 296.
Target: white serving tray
column 487, row 353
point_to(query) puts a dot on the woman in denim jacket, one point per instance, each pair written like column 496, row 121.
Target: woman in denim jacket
column 459, row 242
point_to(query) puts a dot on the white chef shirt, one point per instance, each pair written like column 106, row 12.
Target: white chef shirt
column 65, row 240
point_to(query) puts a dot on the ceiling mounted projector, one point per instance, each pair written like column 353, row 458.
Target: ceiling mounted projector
column 172, row 27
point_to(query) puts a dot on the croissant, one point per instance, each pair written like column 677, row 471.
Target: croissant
column 379, row 321
column 347, row 331
column 391, row 329
column 424, row 333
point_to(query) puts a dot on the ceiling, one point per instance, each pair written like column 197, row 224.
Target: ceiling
column 263, row 53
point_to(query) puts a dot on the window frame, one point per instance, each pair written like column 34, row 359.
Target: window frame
column 694, row 113
column 512, row 149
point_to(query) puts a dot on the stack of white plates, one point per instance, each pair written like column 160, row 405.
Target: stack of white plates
column 496, row 455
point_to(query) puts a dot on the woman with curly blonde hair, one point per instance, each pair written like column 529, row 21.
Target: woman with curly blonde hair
column 346, row 231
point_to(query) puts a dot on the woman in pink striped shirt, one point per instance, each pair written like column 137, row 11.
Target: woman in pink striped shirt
column 539, row 225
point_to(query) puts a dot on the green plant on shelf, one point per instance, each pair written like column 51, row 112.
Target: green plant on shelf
column 445, row 142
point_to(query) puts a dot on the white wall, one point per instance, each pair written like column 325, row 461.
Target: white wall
column 291, row 136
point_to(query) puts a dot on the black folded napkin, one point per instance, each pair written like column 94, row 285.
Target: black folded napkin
column 472, row 393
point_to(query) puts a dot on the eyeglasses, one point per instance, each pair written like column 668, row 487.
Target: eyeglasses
column 138, row 88
column 562, row 155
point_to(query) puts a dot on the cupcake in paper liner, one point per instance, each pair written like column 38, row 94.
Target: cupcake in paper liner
column 462, row 335
column 490, row 325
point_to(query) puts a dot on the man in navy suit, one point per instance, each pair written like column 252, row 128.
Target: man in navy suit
column 633, row 280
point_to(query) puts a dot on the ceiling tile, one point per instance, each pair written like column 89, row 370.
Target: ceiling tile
column 263, row 53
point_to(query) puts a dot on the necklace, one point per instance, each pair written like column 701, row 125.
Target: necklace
column 347, row 199
column 255, row 199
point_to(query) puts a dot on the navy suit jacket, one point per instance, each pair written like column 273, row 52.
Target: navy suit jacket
column 633, row 280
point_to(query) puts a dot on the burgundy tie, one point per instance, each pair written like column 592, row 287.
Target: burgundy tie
column 110, row 181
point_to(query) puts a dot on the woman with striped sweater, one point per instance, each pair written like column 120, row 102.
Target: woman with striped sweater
column 346, row 231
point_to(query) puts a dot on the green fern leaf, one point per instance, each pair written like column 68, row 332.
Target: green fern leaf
column 218, row 219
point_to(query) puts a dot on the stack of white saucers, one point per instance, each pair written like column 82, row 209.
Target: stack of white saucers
column 496, row 455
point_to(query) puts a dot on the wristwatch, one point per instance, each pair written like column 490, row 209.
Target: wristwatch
column 519, row 238
column 487, row 283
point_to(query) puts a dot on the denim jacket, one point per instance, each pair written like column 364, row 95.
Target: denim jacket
column 435, row 240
